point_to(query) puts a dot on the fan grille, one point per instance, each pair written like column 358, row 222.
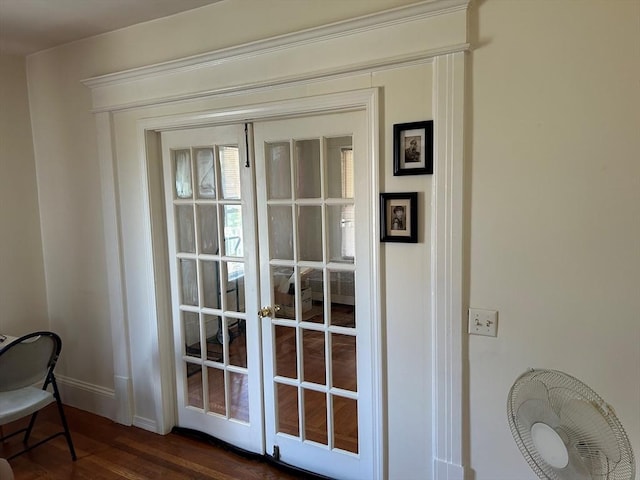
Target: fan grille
column 596, row 442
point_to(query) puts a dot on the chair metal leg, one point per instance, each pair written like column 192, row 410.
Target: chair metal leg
column 30, row 427
column 63, row 419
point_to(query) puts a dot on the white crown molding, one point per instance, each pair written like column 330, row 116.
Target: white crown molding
column 293, row 80
column 426, row 9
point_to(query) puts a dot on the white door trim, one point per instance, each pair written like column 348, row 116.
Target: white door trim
column 446, row 271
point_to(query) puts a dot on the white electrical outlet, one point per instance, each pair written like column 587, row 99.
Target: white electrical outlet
column 483, row 322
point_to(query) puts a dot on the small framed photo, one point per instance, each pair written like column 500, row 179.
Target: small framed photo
column 413, row 148
column 399, row 217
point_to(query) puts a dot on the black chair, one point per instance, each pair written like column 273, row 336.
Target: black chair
column 24, row 362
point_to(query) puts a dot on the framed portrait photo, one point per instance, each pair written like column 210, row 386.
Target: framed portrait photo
column 399, row 217
column 413, row 148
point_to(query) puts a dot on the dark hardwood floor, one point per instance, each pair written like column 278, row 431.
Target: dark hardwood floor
column 108, row 451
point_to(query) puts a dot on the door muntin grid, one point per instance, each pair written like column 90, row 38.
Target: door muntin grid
column 310, row 205
column 207, row 209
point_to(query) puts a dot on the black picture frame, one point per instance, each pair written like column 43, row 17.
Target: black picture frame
column 399, row 217
column 413, row 148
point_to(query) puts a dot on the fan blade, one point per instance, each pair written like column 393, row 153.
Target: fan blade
column 536, row 411
column 590, row 434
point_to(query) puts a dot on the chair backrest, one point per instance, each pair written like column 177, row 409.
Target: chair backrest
column 28, row 360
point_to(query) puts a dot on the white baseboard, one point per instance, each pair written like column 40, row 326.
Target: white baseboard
column 86, row 396
column 145, row 423
column 447, row 471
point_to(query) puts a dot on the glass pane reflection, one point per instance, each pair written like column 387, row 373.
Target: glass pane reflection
column 191, row 329
column 312, row 290
column 186, row 229
column 339, row 159
column 281, row 232
column 310, row 233
column 345, row 424
column 277, row 156
column 288, row 421
column 233, row 231
column 213, row 332
column 206, row 177
column 307, row 154
column 313, row 356
column 343, row 361
column 341, row 235
column 182, row 173
column 189, row 282
column 284, row 288
column 211, row 284
column 230, row 172
column 194, row 393
column 217, row 403
column 342, row 297
column 315, row 416
column 235, row 287
column 208, row 229
column 285, row 340
column 238, row 346
column 239, row 396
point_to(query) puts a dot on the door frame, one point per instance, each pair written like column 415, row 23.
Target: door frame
column 148, row 133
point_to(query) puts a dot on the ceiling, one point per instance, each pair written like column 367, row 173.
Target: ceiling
column 28, row 26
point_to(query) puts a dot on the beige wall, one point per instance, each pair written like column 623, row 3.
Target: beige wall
column 23, row 303
column 554, row 208
column 552, row 194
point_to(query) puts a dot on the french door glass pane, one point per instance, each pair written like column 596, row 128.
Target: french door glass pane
column 235, row 286
column 343, row 362
column 215, row 378
column 193, row 374
column 310, row 233
column 345, row 424
column 230, row 172
column 313, row 296
column 213, row 333
column 278, row 160
column 281, row 232
column 341, row 233
column 238, row 396
column 185, row 229
column 191, row 334
column 182, row 173
column 286, row 351
column 342, row 298
column 315, row 416
column 307, row 153
column 208, row 229
column 287, row 409
column 284, row 287
column 189, row 282
column 206, row 174
column 211, row 284
column 233, row 244
column 339, row 159
column 238, row 345
column 313, row 363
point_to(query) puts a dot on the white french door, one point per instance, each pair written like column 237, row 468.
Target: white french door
column 284, row 236
column 212, row 263
column 314, row 214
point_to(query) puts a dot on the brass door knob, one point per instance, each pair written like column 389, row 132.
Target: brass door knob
column 268, row 311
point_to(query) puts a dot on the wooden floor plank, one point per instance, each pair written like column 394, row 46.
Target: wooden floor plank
column 109, row 451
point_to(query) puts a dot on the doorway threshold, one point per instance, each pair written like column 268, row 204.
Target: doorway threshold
column 269, row 459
